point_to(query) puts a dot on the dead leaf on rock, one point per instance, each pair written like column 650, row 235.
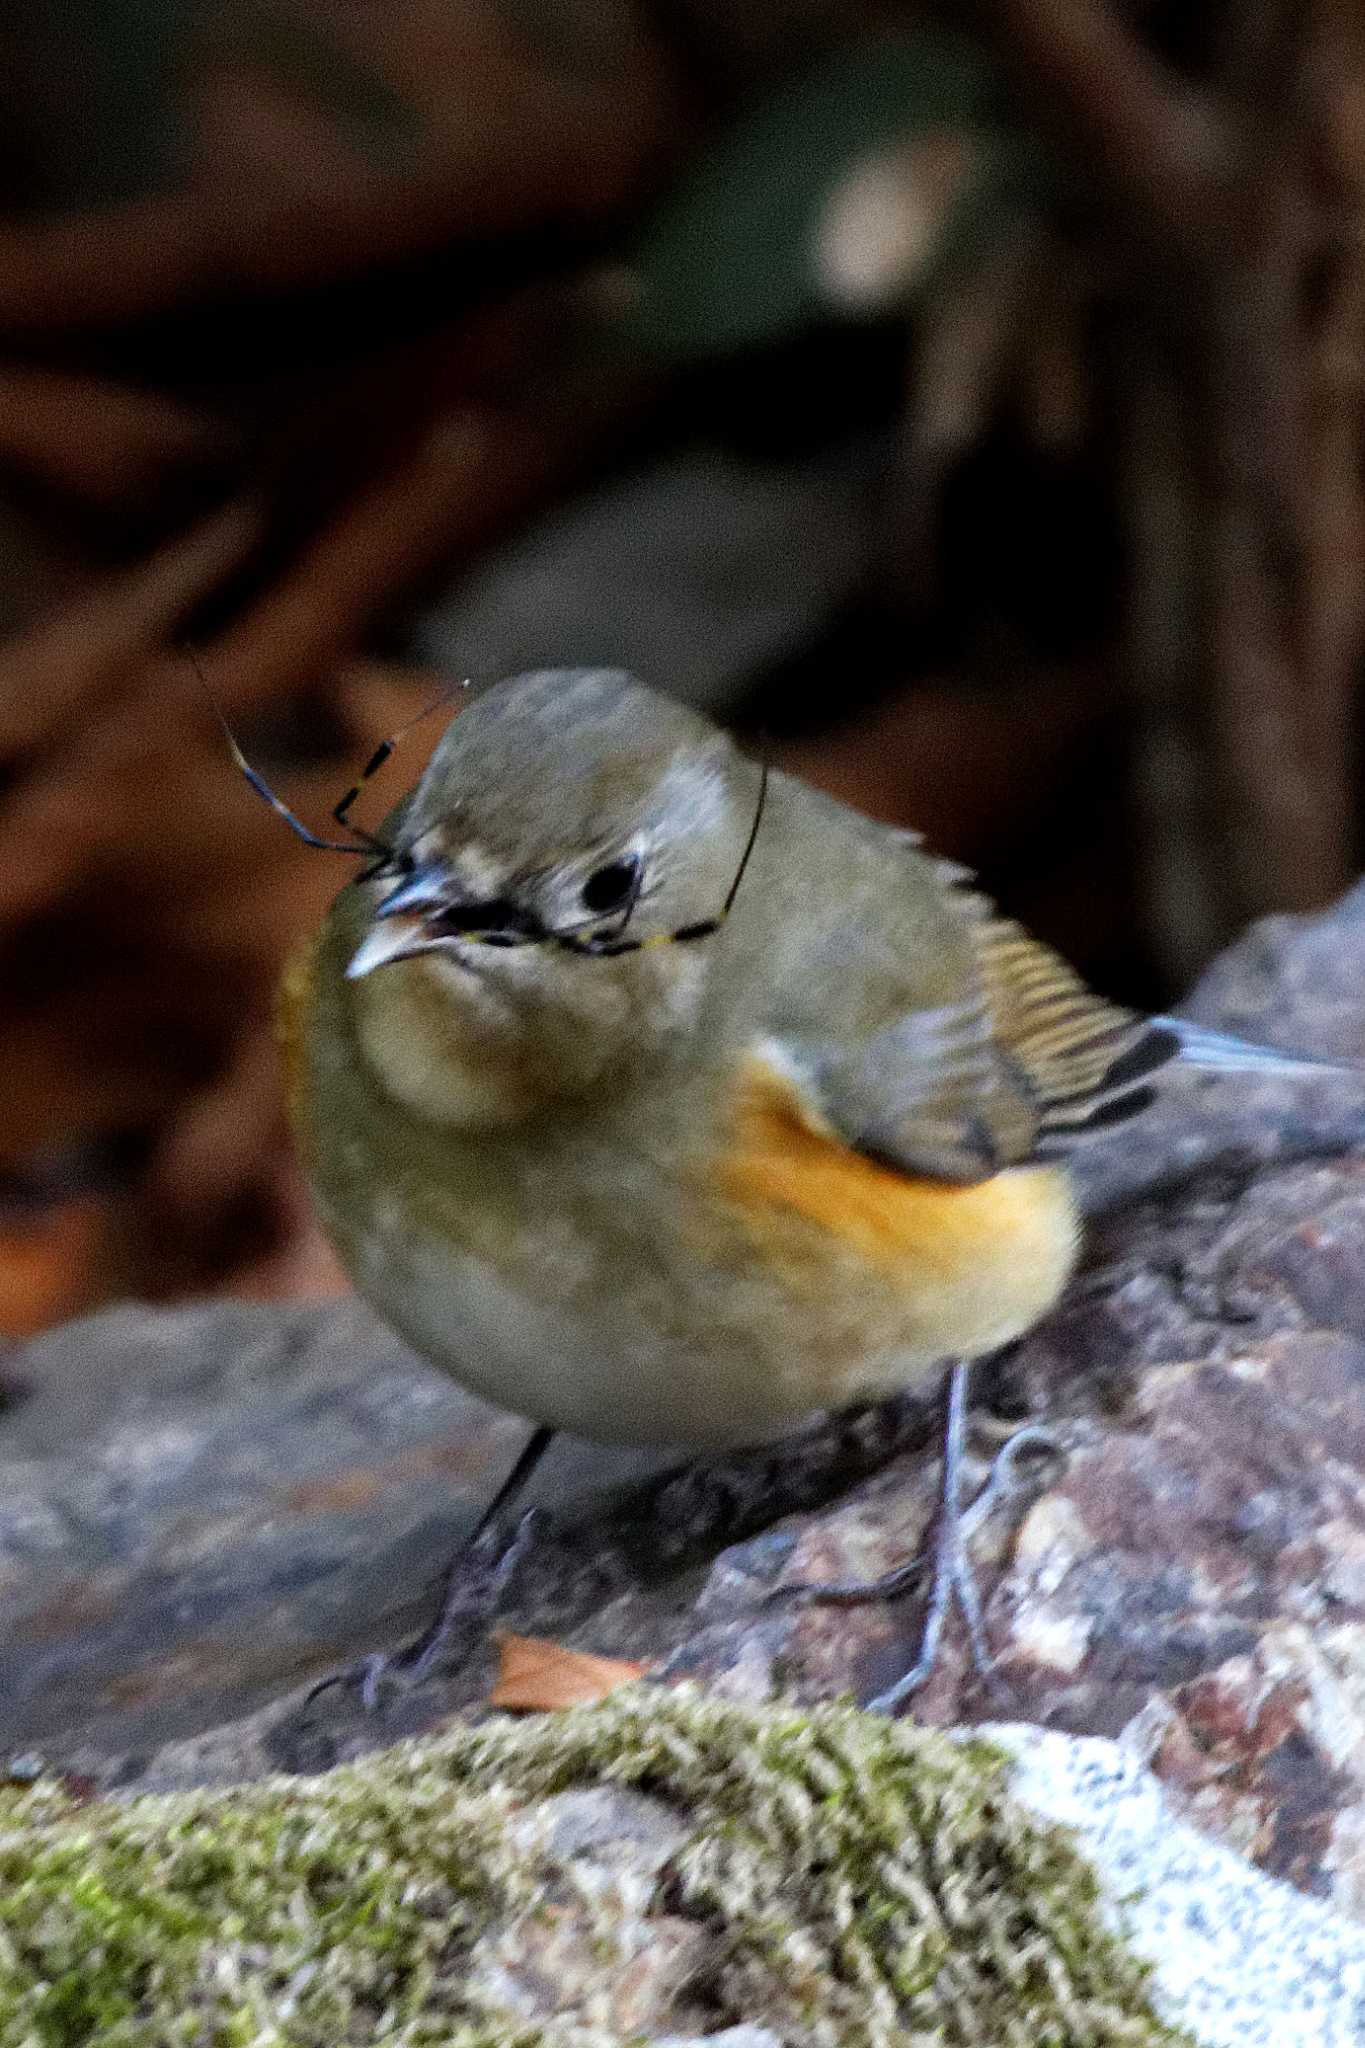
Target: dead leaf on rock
column 538, row 1677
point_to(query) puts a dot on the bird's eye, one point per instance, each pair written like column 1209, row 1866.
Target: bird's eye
column 611, row 887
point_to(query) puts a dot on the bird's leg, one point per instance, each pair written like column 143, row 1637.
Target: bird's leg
column 421, row 1656
column 951, row 1568
column 472, row 1589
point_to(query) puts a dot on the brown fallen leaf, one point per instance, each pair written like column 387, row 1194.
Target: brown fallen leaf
column 538, row 1677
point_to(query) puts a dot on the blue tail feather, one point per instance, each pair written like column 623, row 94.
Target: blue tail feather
column 1220, row 1051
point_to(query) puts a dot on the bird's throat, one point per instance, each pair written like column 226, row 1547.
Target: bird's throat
column 445, row 1046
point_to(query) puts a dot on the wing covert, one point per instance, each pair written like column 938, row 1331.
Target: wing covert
column 1026, row 1061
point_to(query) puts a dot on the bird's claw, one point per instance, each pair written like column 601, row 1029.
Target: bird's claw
column 952, row 1573
column 473, row 1592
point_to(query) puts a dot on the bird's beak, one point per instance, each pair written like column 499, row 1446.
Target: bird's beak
column 403, row 923
column 397, row 928
column 383, row 942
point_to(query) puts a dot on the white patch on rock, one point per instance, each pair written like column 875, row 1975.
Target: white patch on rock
column 1058, row 1641
column 1239, row 1959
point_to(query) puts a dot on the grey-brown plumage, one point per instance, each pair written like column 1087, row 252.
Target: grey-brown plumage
column 694, row 1191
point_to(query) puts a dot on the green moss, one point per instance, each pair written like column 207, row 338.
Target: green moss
column 859, row 1881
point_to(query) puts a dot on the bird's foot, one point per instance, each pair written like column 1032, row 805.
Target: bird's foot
column 474, row 1588
column 952, row 1581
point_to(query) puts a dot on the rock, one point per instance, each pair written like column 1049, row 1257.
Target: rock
column 1240, row 1961
column 203, row 1509
column 729, row 2037
column 199, row 1506
column 595, row 1853
column 1197, row 1569
column 1292, row 982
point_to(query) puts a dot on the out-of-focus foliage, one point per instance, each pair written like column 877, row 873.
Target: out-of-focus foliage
column 303, row 306
column 753, row 240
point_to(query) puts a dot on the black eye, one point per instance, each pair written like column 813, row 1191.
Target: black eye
column 611, row 887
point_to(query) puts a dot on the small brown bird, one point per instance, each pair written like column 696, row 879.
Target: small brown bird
column 666, row 1100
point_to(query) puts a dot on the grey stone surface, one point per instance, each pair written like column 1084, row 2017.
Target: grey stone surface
column 199, row 1507
column 1240, row 1960
column 204, row 1509
column 641, row 1832
column 600, row 1851
column 1292, row 982
column 729, row 2037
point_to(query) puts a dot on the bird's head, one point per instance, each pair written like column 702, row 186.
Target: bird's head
column 551, row 892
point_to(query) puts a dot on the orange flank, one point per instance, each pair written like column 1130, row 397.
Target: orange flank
column 973, row 1264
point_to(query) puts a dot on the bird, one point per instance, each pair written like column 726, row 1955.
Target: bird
column 660, row 1097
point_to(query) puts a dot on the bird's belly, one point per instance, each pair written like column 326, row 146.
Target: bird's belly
column 737, row 1318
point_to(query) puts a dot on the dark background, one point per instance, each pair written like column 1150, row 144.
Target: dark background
column 966, row 404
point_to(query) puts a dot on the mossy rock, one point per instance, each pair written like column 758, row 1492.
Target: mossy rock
column 857, row 1881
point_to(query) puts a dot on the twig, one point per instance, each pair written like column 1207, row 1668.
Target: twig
column 475, row 470
column 1160, row 146
column 1332, row 614
column 99, row 440
column 544, row 158
column 1283, row 772
column 59, row 668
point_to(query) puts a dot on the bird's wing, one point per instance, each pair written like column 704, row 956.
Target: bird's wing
column 925, row 1094
column 1090, row 1063
column 1083, row 1063
column 1027, row 1060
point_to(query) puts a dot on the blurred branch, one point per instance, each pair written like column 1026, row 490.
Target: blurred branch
column 1281, row 723
column 536, row 154
column 474, row 469
column 1160, row 146
column 53, row 675
column 961, row 360
column 1216, row 181
column 1330, row 617
column 153, row 254
column 1187, row 899
column 95, row 439
column 146, row 899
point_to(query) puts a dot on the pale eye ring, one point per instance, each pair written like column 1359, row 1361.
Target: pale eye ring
column 611, row 886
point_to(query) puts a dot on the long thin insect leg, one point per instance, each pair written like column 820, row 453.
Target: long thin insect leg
column 277, row 804
column 603, row 946
column 632, row 900
column 384, row 751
